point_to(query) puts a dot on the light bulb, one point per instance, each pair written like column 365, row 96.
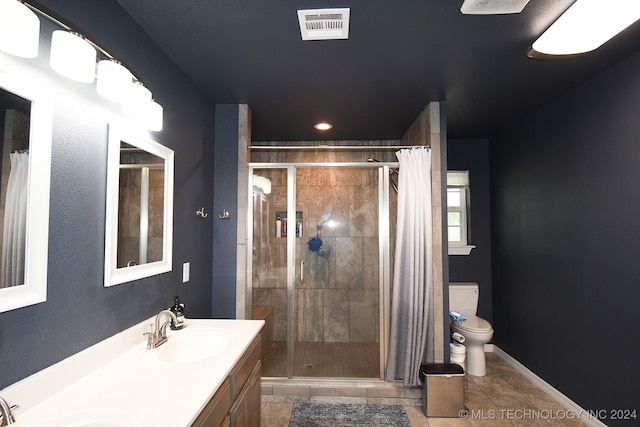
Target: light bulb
column 73, row 56
column 113, row 80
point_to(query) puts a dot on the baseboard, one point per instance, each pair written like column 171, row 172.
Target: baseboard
column 587, row 418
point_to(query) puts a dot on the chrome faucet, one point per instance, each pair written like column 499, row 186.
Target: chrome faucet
column 158, row 335
column 6, row 417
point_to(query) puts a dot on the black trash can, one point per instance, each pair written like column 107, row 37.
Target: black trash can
column 443, row 389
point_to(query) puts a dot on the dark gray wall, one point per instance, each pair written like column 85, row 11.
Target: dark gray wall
column 473, row 155
column 79, row 311
column 225, row 234
column 565, row 206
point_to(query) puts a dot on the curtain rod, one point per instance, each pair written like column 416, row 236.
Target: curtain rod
column 332, row 147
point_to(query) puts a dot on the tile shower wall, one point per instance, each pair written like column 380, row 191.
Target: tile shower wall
column 338, row 300
column 129, row 201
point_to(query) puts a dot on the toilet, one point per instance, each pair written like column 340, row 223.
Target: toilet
column 463, row 298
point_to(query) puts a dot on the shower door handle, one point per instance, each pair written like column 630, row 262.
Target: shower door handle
column 301, row 271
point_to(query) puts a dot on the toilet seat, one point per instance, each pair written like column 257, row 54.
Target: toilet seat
column 473, row 324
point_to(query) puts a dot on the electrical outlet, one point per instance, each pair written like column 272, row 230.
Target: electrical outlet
column 186, row 269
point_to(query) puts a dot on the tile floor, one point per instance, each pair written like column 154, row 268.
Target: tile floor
column 503, row 397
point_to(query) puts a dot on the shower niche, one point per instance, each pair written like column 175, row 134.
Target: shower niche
column 283, row 226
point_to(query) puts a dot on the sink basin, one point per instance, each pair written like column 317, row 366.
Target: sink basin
column 193, row 345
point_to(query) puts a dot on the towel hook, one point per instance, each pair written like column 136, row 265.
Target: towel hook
column 200, row 212
column 224, row 214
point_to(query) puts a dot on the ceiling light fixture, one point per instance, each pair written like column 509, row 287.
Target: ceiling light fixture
column 19, row 29
column 586, row 26
column 323, row 126
column 492, row 7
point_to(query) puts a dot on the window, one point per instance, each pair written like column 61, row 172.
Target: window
column 457, row 212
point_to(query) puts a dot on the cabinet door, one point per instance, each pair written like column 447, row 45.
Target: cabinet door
column 239, row 413
column 245, row 412
column 255, row 396
column 217, row 409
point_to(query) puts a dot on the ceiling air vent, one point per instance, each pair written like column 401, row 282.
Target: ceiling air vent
column 492, row 7
column 324, row 24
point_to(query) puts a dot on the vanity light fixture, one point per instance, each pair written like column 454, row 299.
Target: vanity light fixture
column 73, row 56
column 323, row 126
column 586, row 26
column 113, row 80
column 19, row 29
column 153, row 113
column 136, row 95
column 139, row 105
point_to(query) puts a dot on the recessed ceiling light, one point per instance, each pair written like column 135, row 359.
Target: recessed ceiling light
column 323, row 126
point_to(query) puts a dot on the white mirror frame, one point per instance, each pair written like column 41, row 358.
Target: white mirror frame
column 34, row 289
column 112, row 274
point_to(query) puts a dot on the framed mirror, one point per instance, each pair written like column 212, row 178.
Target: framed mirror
column 25, row 170
column 139, row 220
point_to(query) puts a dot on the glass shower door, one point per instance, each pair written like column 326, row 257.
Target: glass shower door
column 337, row 293
column 319, row 238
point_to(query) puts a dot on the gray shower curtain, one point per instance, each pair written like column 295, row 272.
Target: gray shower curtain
column 411, row 336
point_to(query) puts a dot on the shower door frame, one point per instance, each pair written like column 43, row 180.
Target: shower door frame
column 384, row 279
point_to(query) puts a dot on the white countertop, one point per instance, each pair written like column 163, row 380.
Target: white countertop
column 118, row 382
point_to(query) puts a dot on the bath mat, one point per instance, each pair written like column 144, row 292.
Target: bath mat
column 345, row 415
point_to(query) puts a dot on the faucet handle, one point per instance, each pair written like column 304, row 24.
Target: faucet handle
column 151, row 337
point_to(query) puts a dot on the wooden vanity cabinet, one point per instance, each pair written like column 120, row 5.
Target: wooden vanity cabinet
column 237, row 401
column 245, row 411
column 217, row 410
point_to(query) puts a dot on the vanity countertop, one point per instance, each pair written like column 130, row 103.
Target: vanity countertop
column 118, row 382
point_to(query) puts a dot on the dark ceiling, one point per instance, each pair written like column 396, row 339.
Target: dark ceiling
column 399, row 57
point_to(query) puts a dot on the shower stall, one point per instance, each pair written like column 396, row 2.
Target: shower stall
column 141, row 194
column 320, row 262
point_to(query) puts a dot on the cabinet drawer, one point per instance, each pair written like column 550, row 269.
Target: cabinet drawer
column 244, row 367
column 217, row 409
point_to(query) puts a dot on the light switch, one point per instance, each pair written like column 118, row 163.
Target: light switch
column 186, row 269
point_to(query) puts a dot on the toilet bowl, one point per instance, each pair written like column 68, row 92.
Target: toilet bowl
column 477, row 332
column 463, row 297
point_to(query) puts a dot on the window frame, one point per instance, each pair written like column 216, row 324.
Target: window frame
column 460, row 180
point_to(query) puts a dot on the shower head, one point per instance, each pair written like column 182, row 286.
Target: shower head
column 393, row 184
column 372, row 160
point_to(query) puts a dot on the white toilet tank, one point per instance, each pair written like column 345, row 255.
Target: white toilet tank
column 463, row 298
